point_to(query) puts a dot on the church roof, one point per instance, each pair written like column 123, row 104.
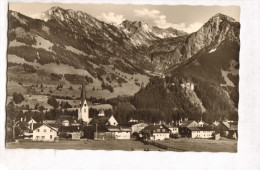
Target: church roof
column 83, row 93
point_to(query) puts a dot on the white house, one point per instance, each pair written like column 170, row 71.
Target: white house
column 156, row 132
column 44, row 132
column 112, row 121
column 112, row 132
column 201, row 132
column 31, row 121
column 120, row 132
column 173, row 129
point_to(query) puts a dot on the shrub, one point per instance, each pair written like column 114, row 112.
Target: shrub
column 53, row 102
column 107, row 87
column 17, row 98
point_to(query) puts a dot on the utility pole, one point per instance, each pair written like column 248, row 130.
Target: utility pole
column 96, row 131
column 14, row 124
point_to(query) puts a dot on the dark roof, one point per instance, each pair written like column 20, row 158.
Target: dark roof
column 170, row 126
column 118, row 128
column 94, row 128
column 187, row 123
column 23, row 125
column 101, row 120
column 37, row 125
column 226, row 124
column 233, row 125
column 152, row 128
column 54, row 125
column 67, row 117
column 204, row 128
column 70, row 129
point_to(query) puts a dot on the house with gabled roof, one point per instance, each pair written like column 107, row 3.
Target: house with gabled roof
column 137, row 127
column 183, row 128
column 66, row 119
column 156, row 132
column 205, row 132
column 31, row 121
column 44, row 132
column 102, row 132
column 104, row 120
column 174, row 130
column 73, row 132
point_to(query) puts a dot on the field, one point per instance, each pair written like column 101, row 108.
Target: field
column 202, row 145
column 127, row 145
column 198, row 145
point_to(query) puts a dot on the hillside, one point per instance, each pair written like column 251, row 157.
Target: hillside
column 211, row 65
column 67, row 46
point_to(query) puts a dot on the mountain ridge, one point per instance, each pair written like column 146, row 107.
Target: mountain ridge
column 65, row 47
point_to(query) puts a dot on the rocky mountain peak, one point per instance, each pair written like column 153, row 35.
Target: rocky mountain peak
column 61, row 14
column 223, row 17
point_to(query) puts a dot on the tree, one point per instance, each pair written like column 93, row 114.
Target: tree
column 53, row 102
column 36, row 106
column 17, row 98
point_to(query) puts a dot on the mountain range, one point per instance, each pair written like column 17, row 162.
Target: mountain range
column 62, row 46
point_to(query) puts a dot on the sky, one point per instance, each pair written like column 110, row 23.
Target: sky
column 182, row 17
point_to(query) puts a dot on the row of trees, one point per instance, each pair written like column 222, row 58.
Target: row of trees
column 54, row 103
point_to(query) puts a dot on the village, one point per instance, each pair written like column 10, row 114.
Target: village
column 104, row 127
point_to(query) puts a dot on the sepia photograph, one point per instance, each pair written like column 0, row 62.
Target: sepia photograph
column 127, row 77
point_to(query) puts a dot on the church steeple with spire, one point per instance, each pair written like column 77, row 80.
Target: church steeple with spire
column 83, row 112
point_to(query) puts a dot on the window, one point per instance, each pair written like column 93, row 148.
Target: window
column 44, row 130
column 37, row 137
column 43, row 137
column 38, row 130
column 85, row 105
column 50, row 130
column 163, row 130
column 50, row 136
column 158, row 130
column 85, row 110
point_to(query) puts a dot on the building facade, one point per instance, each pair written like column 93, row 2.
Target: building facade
column 44, row 132
column 156, row 132
column 201, row 132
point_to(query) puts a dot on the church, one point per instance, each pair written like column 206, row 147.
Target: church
column 83, row 111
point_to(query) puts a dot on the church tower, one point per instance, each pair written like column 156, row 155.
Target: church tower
column 83, row 112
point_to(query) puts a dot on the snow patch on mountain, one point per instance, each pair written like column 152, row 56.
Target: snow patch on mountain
column 212, row 50
column 74, row 50
column 227, row 80
column 15, row 43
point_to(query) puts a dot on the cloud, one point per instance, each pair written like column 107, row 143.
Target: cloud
column 111, row 18
column 153, row 14
column 189, row 28
column 160, row 20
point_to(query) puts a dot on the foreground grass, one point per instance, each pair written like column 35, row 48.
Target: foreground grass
column 126, row 145
column 197, row 145
column 201, row 145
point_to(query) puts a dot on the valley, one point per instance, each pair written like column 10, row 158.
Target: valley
column 146, row 68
